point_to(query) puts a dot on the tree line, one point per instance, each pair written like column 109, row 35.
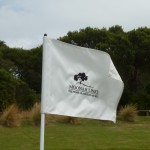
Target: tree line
column 20, row 70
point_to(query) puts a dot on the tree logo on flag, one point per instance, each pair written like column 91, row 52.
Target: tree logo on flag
column 80, row 78
column 82, row 88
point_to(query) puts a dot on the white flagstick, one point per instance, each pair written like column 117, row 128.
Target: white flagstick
column 42, row 114
column 42, row 131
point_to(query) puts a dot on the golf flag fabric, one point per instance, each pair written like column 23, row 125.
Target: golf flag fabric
column 79, row 82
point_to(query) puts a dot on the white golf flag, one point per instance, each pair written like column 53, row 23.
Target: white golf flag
column 79, row 82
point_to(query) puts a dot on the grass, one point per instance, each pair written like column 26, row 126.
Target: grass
column 87, row 135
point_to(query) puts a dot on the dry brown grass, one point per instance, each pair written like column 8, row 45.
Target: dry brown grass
column 35, row 114
column 26, row 114
column 128, row 113
column 51, row 118
column 10, row 117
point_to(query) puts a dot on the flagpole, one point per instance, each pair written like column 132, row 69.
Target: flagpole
column 42, row 114
column 42, row 131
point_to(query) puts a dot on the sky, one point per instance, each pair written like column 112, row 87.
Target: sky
column 24, row 22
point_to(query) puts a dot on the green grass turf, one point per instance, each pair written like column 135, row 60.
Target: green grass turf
column 87, row 135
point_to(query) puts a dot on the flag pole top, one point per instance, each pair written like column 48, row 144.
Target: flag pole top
column 45, row 34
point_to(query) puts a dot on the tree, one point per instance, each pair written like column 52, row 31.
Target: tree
column 25, row 97
column 142, row 98
column 25, row 65
column 116, row 29
column 17, row 68
column 140, row 40
column 88, row 37
column 7, row 89
column 80, row 77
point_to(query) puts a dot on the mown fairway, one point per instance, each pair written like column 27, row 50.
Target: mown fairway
column 87, row 135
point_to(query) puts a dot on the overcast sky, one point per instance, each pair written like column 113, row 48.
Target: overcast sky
column 24, row 22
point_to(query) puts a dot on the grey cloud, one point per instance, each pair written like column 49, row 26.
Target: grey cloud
column 23, row 22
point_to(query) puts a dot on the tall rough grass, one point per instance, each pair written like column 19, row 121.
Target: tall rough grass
column 36, row 117
column 35, row 114
column 10, row 117
column 128, row 113
column 72, row 120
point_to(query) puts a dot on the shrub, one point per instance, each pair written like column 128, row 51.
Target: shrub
column 10, row 117
column 128, row 113
column 35, row 114
column 25, row 97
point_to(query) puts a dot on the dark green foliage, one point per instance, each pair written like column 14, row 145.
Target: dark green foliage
column 116, row 29
column 20, row 76
column 142, row 98
column 14, row 90
column 25, row 65
column 7, row 89
column 25, row 97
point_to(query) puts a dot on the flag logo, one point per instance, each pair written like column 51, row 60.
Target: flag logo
column 80, row 78
column 82, row 88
